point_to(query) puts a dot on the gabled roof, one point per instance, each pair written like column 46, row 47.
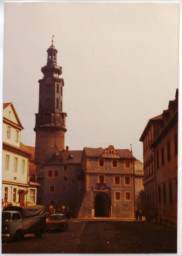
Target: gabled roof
column 67, row 157
column 5, row 105
column 100, row 152
column 158, row 118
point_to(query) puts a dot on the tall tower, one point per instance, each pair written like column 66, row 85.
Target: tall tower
column 50, row 120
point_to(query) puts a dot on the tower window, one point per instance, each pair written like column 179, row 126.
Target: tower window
column 57, row 88
column 57, row 103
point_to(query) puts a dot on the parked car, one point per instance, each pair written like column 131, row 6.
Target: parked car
column 18, row 221
column 57, row 221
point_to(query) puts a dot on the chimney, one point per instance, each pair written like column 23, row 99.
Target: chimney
column 67, row 148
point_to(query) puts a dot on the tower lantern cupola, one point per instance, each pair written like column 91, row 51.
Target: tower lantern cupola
column 52, row 55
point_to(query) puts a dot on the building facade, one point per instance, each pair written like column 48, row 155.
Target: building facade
column 89, row 182
column 160, row 149
column 16, row 189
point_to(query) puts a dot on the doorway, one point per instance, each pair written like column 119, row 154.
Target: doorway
column 102, row 205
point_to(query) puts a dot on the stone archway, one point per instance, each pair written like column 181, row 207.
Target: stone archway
column 102, row 205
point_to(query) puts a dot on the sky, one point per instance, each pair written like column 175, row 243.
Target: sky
column 120, row 66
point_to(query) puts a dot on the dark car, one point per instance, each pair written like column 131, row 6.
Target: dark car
column 57, row 222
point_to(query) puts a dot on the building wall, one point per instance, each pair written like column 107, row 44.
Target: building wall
column 119, row 207
column 166, row 179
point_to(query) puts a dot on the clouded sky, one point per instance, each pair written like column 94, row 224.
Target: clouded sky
column 120, row 66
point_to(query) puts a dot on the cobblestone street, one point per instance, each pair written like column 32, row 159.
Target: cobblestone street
column 100, row 237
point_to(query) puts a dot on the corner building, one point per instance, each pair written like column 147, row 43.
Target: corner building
column 160, row 151
column 92, row 182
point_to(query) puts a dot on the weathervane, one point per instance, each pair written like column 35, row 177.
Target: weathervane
column 52, row 39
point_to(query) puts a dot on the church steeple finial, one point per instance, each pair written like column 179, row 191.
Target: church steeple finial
column 52, row 39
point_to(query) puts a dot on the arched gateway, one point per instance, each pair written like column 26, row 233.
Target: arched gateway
column 102, row 205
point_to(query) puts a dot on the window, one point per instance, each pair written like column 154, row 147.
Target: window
column 127, row 196
column 127, row 163
column 57, row 103
column 55, row 173
column 65, row 167
column 15, row 164
column 57, row 88
column 6, row 194
column 73, row 180
column 159, row 194
column 8, row 132
column 168, row 151
column 17, row 136
column 52, row 188
column 127, row 181
column 7, row 162
column 23, row 166
column 164, row 193
column 116, row 180
column 117, row 195
column 32, row 195
column 162, row 156
column 101, row 179
column 114, row 163
column 101, row 162
column 14, row 194
column 65, row 178
column 50, row 173
column 170, row 193
column 175, row 144
column 157, row 160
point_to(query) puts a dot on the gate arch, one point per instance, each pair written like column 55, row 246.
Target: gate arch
column 102, row 205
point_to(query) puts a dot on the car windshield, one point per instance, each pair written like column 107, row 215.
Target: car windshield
column 56, row 217
column 6, row 216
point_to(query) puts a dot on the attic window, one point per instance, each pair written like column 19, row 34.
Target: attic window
column 8, row 132
column 127, row 163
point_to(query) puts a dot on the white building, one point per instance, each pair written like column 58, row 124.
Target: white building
column 16, row 188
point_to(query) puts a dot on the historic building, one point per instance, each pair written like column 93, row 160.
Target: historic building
column 91, row 182
column 160, row 165
column 16, row 188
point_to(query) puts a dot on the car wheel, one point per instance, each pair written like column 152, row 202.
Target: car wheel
column 18, row 236
column 38, row 234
